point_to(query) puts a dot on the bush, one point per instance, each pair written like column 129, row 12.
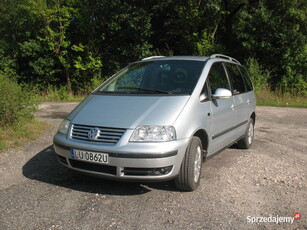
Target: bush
column 96, row 81
column 259, row 76
column 54, row 93
column 294, row 84
column 16, row 104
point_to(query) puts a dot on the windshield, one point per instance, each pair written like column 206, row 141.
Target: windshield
column 155, row 77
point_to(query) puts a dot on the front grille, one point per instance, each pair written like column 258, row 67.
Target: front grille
column 106, row 135
column 107, row 169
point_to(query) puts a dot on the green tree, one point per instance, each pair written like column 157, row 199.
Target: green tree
column 58, row 15
column 186, row 27
column 118, row 31
column 65, row 43
column 275, row 33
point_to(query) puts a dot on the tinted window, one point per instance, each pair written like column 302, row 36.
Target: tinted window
column 248, row 82
column 217, row 77
column 238, row 84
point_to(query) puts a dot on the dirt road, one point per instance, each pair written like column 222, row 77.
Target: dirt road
column 36, row 192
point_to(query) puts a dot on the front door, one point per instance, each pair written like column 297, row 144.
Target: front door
column 223, row 113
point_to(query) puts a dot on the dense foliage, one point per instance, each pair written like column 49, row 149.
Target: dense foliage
column 69, row 43
column 16, row 104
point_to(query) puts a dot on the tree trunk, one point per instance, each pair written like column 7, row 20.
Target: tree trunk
column 68, row 82
column 229, row 37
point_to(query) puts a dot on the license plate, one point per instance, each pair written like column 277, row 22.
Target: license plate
column 89, row 156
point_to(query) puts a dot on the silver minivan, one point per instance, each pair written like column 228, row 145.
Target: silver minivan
column 159, row 119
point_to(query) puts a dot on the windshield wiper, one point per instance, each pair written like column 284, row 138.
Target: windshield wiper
column 144, row 89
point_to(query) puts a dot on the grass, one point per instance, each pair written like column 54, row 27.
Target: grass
column 56, row 97
column 71, row 98
column 21, row 134
column 269, row 98
column 59, row 94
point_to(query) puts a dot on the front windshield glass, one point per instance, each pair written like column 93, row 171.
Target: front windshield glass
column 155, row 77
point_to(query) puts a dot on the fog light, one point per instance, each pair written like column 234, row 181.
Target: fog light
column 147, row 171
column 162, row 171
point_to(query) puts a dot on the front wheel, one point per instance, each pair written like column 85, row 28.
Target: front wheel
column 248, row 139
column 189, row 175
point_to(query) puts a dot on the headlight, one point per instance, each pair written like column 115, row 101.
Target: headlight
column 64, row 126
column 150, row 133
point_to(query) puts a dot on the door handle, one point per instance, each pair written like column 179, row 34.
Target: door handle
column 247, row 101
column 232, row 107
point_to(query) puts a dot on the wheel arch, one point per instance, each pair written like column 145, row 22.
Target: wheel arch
column 203, row 136
column 253, row 116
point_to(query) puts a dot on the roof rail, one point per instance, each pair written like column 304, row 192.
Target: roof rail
column 225, row 57
column 151, row 57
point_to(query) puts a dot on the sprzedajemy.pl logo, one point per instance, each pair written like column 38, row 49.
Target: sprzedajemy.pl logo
column 273, row 219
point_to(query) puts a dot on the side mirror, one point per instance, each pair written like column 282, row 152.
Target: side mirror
column 221, row 93
column 203, row 97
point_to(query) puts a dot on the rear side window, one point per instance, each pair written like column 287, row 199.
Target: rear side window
column 248, row 82
column 217, row 77
column 238, row 84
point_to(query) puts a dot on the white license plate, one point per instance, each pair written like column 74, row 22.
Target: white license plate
column 89, row 156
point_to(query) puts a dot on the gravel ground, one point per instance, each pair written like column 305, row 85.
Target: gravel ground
column 36, row 192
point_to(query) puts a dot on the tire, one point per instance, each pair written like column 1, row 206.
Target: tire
column 189, row 175
column 247, row 141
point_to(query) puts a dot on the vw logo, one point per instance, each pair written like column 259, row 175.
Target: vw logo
column 93, row 133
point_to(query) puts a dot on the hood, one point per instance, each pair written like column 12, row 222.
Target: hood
column 128, row 111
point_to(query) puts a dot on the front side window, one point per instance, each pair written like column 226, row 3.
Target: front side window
column 248, row 82
column 205, row 90
column 155, row 77
column 238, row 85
column 217, row 77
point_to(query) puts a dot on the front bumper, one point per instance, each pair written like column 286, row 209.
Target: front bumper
column 127, row 161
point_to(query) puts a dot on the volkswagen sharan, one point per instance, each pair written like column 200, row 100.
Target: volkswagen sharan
column 159, row 119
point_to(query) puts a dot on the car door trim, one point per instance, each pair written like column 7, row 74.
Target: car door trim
column 228, row 130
